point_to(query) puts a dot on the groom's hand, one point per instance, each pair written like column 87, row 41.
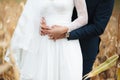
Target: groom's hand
column 56, row 32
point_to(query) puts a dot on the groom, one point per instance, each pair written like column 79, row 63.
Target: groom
column 99, row 12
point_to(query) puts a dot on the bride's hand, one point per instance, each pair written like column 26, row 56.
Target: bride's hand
column 43, row 26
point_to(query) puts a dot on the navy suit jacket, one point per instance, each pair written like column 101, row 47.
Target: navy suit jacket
column 99, row 12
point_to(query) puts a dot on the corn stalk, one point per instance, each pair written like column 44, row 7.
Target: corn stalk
column 118, row 50
column 8, row 70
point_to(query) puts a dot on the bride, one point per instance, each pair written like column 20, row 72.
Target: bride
column 39, row 57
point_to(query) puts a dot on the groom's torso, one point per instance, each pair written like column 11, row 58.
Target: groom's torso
column 90, row 47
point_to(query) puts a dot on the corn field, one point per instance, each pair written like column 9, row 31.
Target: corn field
column 10, row 11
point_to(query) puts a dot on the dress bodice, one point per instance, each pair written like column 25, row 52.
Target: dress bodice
column 56, row 11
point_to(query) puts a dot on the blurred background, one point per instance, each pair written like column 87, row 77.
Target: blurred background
column 10, row 11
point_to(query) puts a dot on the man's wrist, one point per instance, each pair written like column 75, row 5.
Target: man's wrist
column 65, row 29
column 67, row 34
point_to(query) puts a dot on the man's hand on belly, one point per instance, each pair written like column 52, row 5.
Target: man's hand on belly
column 55, row 32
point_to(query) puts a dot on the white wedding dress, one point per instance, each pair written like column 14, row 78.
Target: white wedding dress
column 40, row 58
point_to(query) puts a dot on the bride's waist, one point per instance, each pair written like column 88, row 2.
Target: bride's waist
column 58, row 20
column 51, row 23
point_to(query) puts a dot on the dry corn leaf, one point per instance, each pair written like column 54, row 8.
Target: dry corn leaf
column 111, row 61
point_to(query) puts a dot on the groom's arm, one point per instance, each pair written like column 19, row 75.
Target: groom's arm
column 102, row 15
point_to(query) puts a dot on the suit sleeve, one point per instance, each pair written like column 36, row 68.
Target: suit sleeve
column 102, row 15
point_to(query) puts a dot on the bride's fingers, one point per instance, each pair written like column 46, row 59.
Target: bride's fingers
column 43, row 20
column 47, row 31
column 45, row 27
column 42, row 33
column 42, row 24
